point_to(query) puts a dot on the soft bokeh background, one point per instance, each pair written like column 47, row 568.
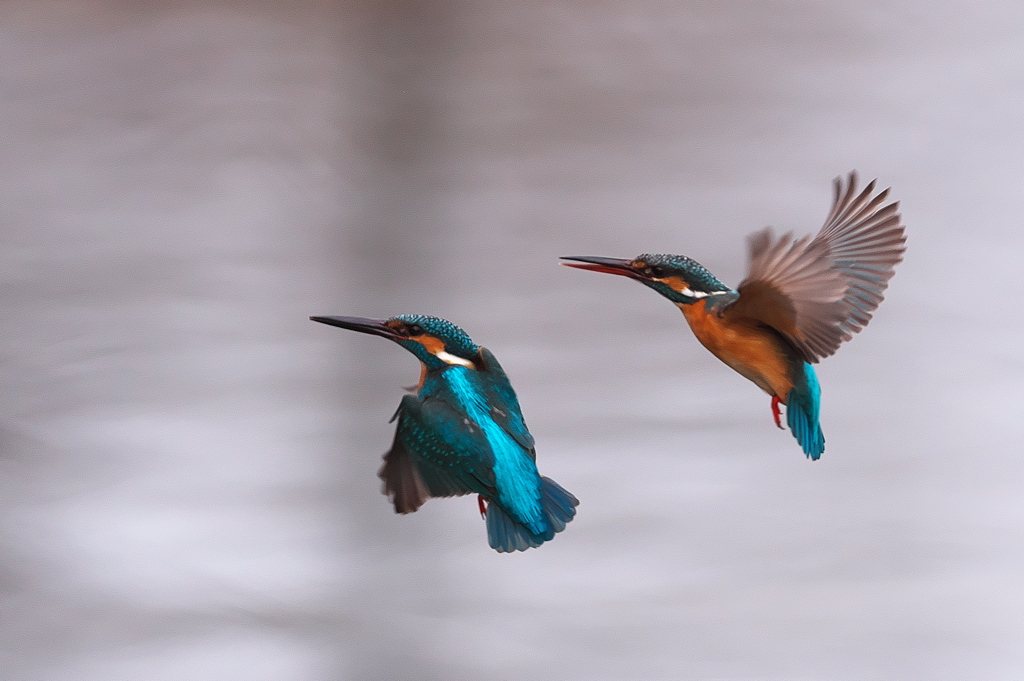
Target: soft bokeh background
column 187, row 465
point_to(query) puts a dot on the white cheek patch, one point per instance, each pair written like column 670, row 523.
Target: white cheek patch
column 449, row 358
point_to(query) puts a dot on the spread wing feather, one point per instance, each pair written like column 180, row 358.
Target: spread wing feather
column 433, row 455
column 402, row 480
column 819, row 292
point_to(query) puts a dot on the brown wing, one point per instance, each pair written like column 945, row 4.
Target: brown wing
column 402, row 481
column 819, row 292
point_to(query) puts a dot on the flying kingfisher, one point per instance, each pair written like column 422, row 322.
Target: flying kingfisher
column 462, row 432
column 801, row 299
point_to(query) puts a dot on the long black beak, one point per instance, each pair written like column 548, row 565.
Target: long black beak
column 607, row 265
column 376, row 327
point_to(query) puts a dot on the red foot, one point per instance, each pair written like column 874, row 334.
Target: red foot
column 775, row 411
column 483, row 506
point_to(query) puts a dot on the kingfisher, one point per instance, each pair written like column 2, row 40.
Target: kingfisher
column 462, row 432
column 800, row 300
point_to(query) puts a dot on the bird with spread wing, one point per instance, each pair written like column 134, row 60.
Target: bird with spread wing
column 801, row 299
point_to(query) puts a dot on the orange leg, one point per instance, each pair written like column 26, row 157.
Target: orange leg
column 775, row 411
column 483, row 506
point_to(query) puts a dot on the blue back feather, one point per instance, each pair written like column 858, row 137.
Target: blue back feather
column 515, row 473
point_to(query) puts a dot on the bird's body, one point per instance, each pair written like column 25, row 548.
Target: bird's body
column 763, row 358
column 463, row 432
column 800, row 301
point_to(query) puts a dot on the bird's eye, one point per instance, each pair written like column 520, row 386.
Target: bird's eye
column 656, row 271
column 415, row 330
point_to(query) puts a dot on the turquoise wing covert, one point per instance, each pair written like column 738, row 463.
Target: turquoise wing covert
column 499, row 392
column 433, row 456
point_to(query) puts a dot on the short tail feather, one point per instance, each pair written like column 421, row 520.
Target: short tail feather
column 506, row 535
column 803, row 404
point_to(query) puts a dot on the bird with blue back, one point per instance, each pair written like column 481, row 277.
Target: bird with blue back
column 801, row 299
column 462, row 432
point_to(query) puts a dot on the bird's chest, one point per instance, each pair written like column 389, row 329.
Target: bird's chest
column 750, row 351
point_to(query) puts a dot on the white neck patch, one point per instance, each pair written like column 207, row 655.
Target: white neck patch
column 449, row 358
column 701, row 294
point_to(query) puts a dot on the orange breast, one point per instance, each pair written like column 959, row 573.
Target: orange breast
column 749, row 350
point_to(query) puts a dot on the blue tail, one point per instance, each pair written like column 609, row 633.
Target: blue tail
column 506, row 535
column 803, row 405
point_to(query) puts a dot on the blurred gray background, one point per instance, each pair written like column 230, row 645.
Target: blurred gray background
column 187, row 465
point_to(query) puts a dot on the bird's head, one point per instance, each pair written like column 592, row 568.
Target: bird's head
column 436, row 342
column 680, row 279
